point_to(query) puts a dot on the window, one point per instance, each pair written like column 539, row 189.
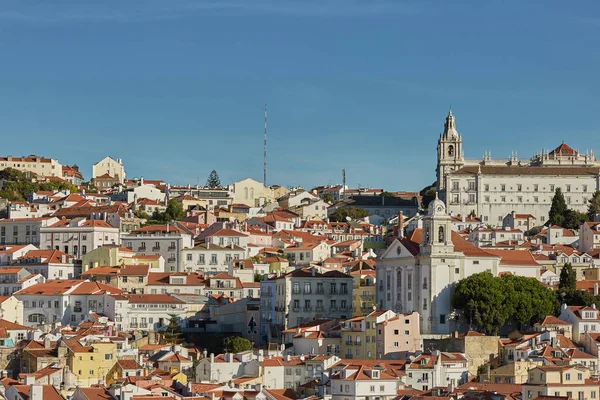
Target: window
column 372, row 388
column 584, row 188
column 567, row 377
column 201, row 259
column 486, row 188
column 425, row 283
column 213, row 259
column 552, row 188
column 535, row 188
column 108, row 356
column 568, row 188
column 442, row 319
column 503, row 188
column 519, row 188
column 503, row 200
column 424, row 304
column 188, row 257
column 396, row 332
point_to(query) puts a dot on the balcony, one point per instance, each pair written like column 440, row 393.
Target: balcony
column 296, row 291
column 307, row 309
column 320, row 291
column 133, row 326
column 320, row 309
column 141, row 248
column 171, row 259
column 296, row 309
column 307, row 291
column 343, row 292
column 171, row 248
column 267, row 294
column 357, row 342
column 367, row 297
column 77, row 309
column 333, row 309
column 333, row 292
column 156, row 248
column 349, row 343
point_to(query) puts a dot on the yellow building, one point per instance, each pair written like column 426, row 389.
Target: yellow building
column 363, row 301
column 92, row 362
column 131, row 278
column 553, row 380
column 115, row 255
column 359, row 335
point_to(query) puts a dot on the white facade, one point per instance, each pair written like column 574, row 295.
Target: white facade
column 23, row 230
column 110, row 166
column 589, row 236
column 251, row 193
column 210, row 259
column 78, row 236
column 38, row 165
column 167, row 241
column 493, row 189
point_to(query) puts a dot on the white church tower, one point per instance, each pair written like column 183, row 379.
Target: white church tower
column 450, row 156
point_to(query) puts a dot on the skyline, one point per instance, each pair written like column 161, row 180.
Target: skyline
column 348, row 85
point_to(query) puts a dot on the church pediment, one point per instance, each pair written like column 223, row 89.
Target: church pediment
column 398, row 249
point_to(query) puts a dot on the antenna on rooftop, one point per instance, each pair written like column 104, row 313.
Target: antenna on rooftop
column 344, row 182
column 265, row 151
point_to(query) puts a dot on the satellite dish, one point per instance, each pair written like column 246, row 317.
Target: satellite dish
column 348, row 219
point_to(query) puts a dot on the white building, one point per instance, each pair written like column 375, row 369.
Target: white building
column 110, row 166
column 438, row 369
column 418, row 272
column 306, row 294
column 589, row 236
column 251, row 193
column 493, row 189
column 10, row 254
column 13, row 279
column 38, row 165
column 78, row 236
column 359, row 381
column 63, row 301
column 210, row 259
column 583, row 319
column 51, row 264
column 23, row 230
column 169, row 241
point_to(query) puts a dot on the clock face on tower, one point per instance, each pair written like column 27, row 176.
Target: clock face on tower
column 439, row 209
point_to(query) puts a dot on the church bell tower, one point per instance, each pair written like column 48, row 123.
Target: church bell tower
column 450, row 156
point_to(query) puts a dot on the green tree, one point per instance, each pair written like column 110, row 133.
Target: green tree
column 172, row 333
column 174, row 211
column 386, row 194
column 141, row 214
column 568, row 278
column 427, row 198
column 213, row 180
column 574, row 219
column 558, row 209
column 528, row 300
column 483, row 299
column 236, row 344
column 258, row 277
column 328, row 197
column 353, row 212
column 594, row 206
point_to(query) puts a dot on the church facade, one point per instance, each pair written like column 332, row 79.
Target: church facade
column 419, row 272
column 492, row 189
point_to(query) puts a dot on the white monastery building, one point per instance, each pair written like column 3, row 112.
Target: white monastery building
column 492, row 189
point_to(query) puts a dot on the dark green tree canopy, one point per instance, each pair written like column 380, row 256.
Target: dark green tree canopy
column 172, row 334
column 568, row 278
column 489, row 302
column 328, row 197
column 558, row 209
column 594, row 206
column 428, row 197
column 236, row 344
column 17, row 186
column 174, row 211
column 213, row 180
column 353, row 212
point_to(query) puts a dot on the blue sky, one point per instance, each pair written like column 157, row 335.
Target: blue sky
column 177, row 87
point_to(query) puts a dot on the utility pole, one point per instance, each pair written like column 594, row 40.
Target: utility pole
column 344, row 183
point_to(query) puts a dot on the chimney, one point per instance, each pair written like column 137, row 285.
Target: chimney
column 400, row 224
column 29, row 379
column 212, row 358
column 141, row 181
column 594, row 306
column 595, row 288
column 47, row 343
column 36, row 392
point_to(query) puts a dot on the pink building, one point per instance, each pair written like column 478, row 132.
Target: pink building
column 398, row 336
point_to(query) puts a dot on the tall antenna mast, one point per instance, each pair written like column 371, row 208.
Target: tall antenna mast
column 344, row 182
column 265, row 151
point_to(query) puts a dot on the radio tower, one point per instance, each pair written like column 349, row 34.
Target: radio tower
column 265, row 151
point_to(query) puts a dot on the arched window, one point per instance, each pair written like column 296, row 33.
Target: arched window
column 399, row 281
column 251, row 193
column 246, row 193
column 451, row 151
column 441, row 234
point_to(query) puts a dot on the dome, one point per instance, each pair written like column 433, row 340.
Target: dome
column 436, row 207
